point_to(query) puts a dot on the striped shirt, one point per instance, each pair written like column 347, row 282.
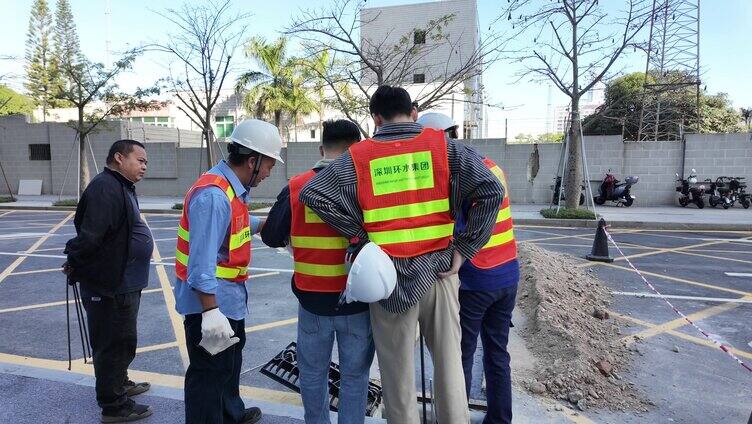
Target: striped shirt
column 332, row 194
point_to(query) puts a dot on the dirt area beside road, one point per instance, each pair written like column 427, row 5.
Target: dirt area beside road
column 577, row 346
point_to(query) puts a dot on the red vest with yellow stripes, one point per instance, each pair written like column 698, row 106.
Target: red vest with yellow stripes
column 317, row 249
column 501, row 247
column 235, row 268
column 403, row 191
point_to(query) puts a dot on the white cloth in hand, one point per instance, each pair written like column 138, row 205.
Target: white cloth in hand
column 214, row 345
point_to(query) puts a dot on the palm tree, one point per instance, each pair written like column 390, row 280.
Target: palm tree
column 747, row 115
column 315, row 69
column 269, row 91
column 299, row 101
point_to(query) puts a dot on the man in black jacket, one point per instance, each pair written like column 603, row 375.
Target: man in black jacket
column 110, row 258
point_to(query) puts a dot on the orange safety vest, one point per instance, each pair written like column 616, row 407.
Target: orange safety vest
column 318, row 250
column 403, row 191
column 501, row 247
column 235, row 268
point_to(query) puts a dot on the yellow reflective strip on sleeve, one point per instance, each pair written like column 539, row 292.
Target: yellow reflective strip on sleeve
column 182, row 233
column 499, row 239
column 406, row 211
column 227, row 273
column 318, row 270
column 412, row 234
column 504, row 214
column 312, row 242
column 240, row 238
column 181, row 257
column 311, row 217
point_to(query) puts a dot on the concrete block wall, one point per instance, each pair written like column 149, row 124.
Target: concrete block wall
column 714, row 155
column 15, row 136
column 172, row 169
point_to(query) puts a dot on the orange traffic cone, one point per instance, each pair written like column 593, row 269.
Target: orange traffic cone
column 600, row 245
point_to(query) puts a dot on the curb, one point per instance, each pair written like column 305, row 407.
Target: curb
column 533, row 222
column 589, row 223
column 73, row 209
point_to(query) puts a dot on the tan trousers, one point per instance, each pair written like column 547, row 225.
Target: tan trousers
column 394, row 335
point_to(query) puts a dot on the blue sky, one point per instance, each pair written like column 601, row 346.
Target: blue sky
column 726, row 43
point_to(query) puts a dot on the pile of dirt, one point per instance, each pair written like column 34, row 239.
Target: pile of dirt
column 577, row 346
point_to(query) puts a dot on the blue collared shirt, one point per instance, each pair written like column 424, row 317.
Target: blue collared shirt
column 209, row 216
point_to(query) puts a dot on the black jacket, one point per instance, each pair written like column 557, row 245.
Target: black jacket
column 104, row 226
column 276, row 233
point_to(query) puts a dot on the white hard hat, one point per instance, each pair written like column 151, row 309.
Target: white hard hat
column 437, row 121
column 259, row 136
column 372, row 276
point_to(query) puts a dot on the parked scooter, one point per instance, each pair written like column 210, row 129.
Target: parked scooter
column 741, row 192
column 556, row 186
column 615, row 191
column 690, row 191
column 720, row 193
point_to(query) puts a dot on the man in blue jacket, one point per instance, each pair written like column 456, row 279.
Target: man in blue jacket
column 211, row 265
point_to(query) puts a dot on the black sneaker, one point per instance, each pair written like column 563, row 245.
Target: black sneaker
column 132, row 389
column 130, row 411
column 251, row 416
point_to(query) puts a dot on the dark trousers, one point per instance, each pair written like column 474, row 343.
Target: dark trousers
column 212, row 383
column 112, row 333
column 490, row 313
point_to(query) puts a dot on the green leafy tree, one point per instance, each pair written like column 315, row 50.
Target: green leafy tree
column 12, row 103
column 93, row 91
column 747, row 117
column 268, row 89
column 718, row 116
column 299, row 101
column 621, row 110
column 42, row 73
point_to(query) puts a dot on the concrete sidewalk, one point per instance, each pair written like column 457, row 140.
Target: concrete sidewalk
column 655, row 217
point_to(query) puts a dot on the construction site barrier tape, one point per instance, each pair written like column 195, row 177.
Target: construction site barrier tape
column 723, row 347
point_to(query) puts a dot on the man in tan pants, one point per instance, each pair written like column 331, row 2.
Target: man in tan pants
column 399, row 190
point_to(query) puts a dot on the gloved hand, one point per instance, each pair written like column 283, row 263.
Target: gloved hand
column 215, row 324
column 216, row 332
column 356, row 244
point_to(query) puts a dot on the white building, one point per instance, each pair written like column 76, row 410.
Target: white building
column 392, row 25
column 589, row 102
column 227, row 112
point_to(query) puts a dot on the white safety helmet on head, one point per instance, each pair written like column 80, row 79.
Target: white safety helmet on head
column 372, row 276
column 437, row 121
column 259, row 136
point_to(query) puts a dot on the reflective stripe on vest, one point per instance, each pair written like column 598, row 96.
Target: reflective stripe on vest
column 318, row 249
column 501, row 247
column 235, row 268
column 403, row 191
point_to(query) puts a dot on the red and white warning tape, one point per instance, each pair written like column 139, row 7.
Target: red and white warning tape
column 723, row 347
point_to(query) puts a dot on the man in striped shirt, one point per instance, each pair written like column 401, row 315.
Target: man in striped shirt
column 427, row 284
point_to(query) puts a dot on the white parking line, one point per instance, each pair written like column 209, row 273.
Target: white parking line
column 706, row 299
column 739, row 274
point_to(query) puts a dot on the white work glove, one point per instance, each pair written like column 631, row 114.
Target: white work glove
column 216, row 332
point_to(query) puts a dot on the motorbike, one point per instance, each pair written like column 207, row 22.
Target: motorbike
column 556, row 186
column 738, row 187
column 616, row 191
column 720, row 193
column 689, row 191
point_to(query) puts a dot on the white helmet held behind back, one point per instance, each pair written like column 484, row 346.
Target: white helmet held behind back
column 372, row 276
column 437, row 121
column 259, row 136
